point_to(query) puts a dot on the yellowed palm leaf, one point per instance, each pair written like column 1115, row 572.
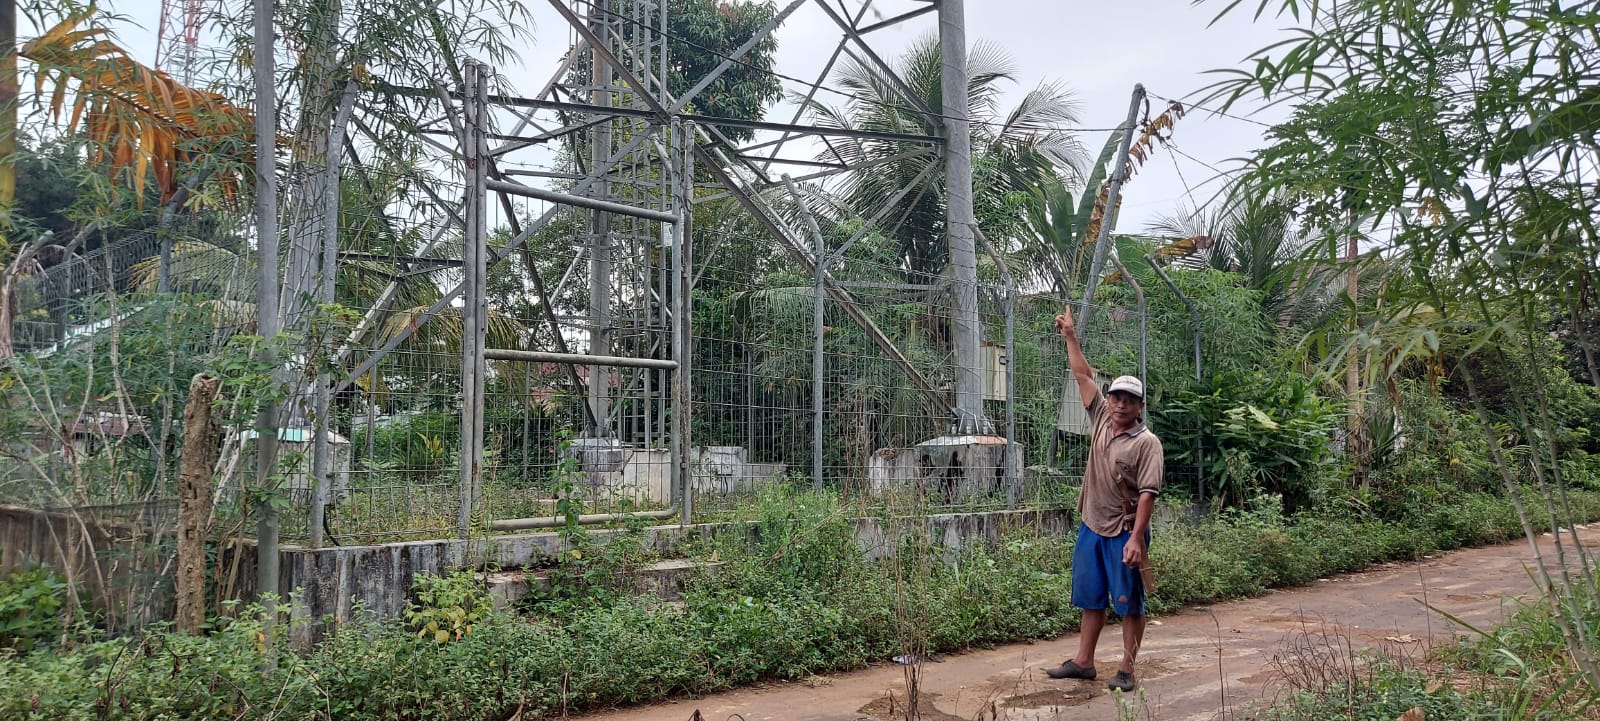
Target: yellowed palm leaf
column 1138, row 152
column 138, row 120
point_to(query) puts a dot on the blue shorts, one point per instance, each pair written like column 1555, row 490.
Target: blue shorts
column 1099, row 576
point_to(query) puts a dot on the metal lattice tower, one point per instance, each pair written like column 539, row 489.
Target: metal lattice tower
column 178, row 37
column 628, row 278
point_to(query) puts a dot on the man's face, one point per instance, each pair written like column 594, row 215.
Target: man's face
column 1125, row 408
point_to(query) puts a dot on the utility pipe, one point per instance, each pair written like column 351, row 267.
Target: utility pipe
column 588, row 519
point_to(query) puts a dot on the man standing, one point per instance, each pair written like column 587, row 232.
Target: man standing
column 1120, row 485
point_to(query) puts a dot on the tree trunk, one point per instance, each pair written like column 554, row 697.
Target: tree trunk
column 9, row 303
column 1581, row 337
column 8, row 306
column 202, row 441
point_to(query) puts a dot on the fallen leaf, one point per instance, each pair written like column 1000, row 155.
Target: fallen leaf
column 1433, row 687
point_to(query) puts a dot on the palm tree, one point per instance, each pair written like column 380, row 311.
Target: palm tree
column 1251, row 234
column 1258, row 236
column 1014, row 152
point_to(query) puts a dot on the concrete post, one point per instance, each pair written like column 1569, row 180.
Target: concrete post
column 959, row 218
column 682, row 340
column 1102, row 243
column 474, row 307
column 268, row 322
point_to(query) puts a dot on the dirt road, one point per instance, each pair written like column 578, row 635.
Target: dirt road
column 1188, row 659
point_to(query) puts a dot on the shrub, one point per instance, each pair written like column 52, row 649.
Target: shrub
column 30, row 607
column 419, row 446
column 447, row 607
column 1251, row 434
column 1387, row 693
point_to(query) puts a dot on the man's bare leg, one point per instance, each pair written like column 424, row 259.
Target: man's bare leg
column 1132, row 636
column 1093, row 623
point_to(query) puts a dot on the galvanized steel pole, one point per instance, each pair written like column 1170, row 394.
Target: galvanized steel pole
column 818, row 301
column 1009, row 306
column 1194, row 314
column 1138, row 293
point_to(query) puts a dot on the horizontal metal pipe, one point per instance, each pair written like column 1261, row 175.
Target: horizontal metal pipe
column 535, row 356
column 547, row 104
column 500, row 186
column 523, row 524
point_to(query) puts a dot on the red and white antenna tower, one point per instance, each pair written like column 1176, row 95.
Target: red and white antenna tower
column 178, row 40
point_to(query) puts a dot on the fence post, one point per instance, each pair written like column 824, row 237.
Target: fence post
column 818, row 301
column 682, row 337
column 474, row 310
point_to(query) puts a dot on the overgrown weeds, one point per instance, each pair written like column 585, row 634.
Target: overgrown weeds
column 793, row 594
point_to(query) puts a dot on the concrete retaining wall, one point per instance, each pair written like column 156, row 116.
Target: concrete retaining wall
column 331, row 582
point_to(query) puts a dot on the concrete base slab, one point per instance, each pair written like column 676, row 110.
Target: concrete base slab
column 666, row 579
column 950, row 469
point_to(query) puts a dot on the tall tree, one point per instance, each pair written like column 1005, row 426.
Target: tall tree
column 701, row 34
column 1468, row 132
column 8, row 114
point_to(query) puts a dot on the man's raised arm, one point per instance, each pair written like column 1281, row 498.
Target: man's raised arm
column 1080, row 365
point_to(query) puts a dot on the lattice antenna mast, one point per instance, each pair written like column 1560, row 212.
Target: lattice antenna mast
column 178, row 39
column 629, row 307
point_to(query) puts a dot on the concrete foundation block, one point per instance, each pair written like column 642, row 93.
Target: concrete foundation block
column 949, row 469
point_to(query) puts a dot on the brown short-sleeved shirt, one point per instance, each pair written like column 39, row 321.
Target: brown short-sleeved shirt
column 1121, row 467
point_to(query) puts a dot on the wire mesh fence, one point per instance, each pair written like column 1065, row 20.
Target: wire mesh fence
column 759, row 344
column 395, row 423
column 107, row 358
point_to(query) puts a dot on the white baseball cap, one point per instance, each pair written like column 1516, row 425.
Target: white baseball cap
column 1128, row 384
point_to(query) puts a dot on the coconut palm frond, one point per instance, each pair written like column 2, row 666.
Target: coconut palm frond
column 232, row 313
column 1038, row 125
column 200, row 267
column 441, row 335
column 1014, row 152
column 777, row 308
column 988, row 66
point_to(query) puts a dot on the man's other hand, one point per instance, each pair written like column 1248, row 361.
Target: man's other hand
column 1133, row 553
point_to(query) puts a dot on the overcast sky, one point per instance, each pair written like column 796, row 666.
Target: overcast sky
column 1097, row 49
